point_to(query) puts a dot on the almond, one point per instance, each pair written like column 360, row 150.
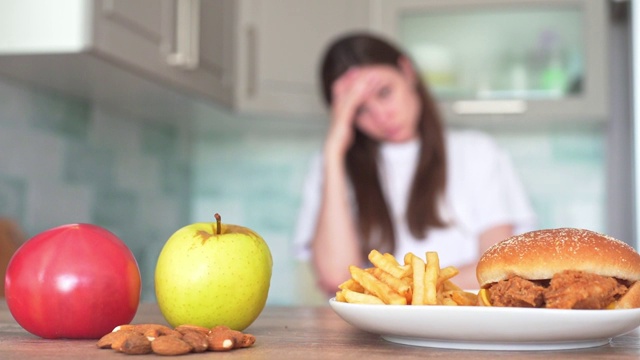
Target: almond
column 154, row 333
column 106, row 341
column 197, row 340
column 185, row 328
column 138, row 339
column 170, row 345
column 132, row 343
column 247, row 340
column 129, row 327
column 222, row 339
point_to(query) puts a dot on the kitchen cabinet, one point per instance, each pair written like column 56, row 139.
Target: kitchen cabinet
column 150, row 57
column 166, row 40
column 278, row 45
column 106, row 51
column 506, row 61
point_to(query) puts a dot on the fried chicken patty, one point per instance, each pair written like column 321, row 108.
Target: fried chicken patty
column 566, row 290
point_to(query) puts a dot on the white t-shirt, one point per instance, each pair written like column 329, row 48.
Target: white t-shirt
column 482, row 191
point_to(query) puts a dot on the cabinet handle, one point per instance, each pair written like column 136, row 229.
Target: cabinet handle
column 487, row 107
column 251, row 61
column 186, row 54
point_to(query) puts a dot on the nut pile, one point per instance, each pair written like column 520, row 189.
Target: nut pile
column 141, row 339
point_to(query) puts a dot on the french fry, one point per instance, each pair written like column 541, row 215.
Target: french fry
column 408, row 262
column 418, row 266
column 376, row 287
column 415, row 282
column 408, row 257
column 449, row 302
column 399, row 286
column 464, row 298
column 391, row 259
column 446, row 274
column 431, row 278
column 351, row 285
column 391, row 266
column 360, row 298
column 449, row 285
column 409, row 281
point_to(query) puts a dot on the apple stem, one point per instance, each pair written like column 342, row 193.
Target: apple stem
column 218, row 223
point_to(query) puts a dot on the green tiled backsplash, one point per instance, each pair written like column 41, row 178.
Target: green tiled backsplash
column 63, row 160
column 549, row 162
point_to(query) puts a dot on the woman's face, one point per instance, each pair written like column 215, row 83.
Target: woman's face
column 390, row 110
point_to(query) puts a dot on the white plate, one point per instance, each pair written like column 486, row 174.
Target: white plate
column 489, row 328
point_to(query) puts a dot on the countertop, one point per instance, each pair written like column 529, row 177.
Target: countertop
column 292, row 333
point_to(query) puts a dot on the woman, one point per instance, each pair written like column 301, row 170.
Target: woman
column 390, row 178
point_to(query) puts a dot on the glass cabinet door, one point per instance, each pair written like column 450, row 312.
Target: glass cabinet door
column 498, row 53
column 519, row 57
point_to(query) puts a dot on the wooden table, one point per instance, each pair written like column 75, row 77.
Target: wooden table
column 291, row 333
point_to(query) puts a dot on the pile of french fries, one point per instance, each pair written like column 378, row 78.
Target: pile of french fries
column 416, row 282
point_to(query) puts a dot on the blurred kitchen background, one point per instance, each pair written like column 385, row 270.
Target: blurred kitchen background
column 145, row 115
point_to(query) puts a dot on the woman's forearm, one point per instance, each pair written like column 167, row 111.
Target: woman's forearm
column 335, row 244
column 466, row 279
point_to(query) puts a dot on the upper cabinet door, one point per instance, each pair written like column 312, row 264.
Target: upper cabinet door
column 530, row 60
column 250, row 55
column 279, row 48
column 174, row 41
column 131, row 31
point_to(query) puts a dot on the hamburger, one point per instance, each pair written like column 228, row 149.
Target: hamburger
column 564, row 268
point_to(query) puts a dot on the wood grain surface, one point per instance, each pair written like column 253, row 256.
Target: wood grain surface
column 291, row 333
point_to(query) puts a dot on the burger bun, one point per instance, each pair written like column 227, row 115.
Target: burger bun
column 538, row 255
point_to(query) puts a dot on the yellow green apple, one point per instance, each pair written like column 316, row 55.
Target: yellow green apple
column 211, row 274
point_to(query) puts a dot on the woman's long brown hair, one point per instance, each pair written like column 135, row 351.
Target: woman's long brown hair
column 374, row 220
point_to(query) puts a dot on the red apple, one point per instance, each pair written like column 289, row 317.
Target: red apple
column 73, row 281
